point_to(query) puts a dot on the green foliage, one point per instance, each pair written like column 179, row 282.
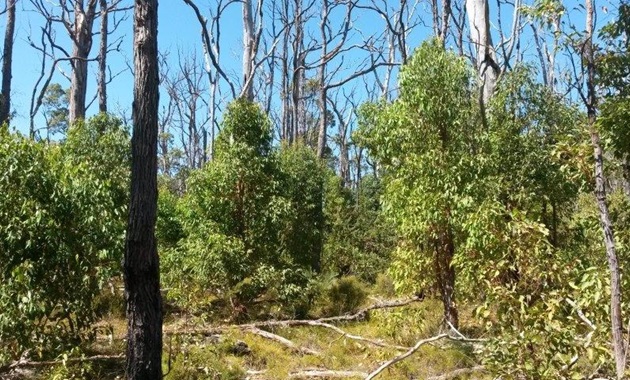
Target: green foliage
column 358, row 238
column 424, row 149
column 342, row 295
column 55, row 105
column 62, row 221
column 239, row 231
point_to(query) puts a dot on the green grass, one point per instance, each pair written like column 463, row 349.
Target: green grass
column 197, row 357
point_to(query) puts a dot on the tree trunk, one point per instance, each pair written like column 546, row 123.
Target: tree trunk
column 487, row 67
column 323, row 116
column 141, row 263
column 102, row 60
column 298, row 72
column 248, row 51
column 82, row 44
column 7, row 61
column 600, row 195
column 444, row 248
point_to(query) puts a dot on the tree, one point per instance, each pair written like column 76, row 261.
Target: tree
column 590, row 99
column 7, row 62
column 141, row 263
column 56, row 254
column 55, row 105
column 425, row 151
column 81, row 34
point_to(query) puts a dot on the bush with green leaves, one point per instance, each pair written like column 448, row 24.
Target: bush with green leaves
column 497, row 196
column 358, row 238
column 62, row 220
column 251, row 220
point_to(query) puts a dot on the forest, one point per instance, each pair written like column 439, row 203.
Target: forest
column 314, row 189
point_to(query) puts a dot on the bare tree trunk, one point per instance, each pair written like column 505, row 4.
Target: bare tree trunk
column 487, row 67
column 102, row 59
column 248, row 51
column 7, row 61
column 141, row 263
column 600, row 194
column 298, row 72
column 323, row 116
column 82, row 44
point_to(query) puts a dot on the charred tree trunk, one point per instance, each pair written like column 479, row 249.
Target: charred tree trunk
column 444, row 250
column 141, row 263
column 7, row 61
column 102, row 59
column 600, row 194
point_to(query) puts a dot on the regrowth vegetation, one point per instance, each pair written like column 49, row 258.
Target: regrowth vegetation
column 469, row 233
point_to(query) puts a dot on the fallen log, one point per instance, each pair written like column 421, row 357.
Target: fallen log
column 458, row 372
column 282, row 340
column 26, row 363
column 325, row 373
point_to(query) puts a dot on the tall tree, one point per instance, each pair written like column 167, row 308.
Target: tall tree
column 600, row 194
column 141, row 263
column 7, row 62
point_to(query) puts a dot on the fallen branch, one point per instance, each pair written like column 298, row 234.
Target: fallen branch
column 412, row 350
column 458, row 372
column 25, row 363
column 405, row 355
column 360, row 315
column 325, row 373
column 344, row 334
column 282, row 340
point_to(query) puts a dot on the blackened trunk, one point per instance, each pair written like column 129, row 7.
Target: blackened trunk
column 7, row 61
column 102, row 60
column 445, row 273
column 141, row 264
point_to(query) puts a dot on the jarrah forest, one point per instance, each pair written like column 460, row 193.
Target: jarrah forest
column 314, row 189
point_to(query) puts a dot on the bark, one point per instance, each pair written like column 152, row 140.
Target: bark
column 487, row 67
column 141, row 262
column 7, row 62
column 445, row 273
column 82, row 44
column 298, row 73
column 323, row 115
column 248, row 51
column 600, row 194
column 102, row 59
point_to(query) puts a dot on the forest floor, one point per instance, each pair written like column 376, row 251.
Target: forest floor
column 351, row 346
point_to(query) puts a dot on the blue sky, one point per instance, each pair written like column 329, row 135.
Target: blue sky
column 178, row 29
